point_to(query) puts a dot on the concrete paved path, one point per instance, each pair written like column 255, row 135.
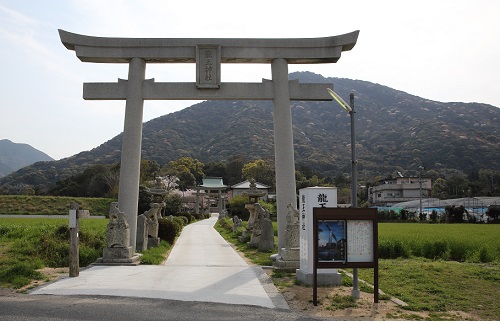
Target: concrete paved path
column 202, row 266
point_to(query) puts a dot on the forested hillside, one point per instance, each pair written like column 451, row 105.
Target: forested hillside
column 14, row 156
column 396, row 131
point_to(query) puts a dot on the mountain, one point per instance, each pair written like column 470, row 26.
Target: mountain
column 395, row 131
column 14, row 156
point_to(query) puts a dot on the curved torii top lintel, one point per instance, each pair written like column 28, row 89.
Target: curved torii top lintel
column 233, row 50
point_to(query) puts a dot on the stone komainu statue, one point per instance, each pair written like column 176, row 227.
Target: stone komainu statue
column 261, row 212
column 118, row 231
column 292, row 216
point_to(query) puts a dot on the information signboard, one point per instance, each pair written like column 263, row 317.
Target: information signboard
column 345, row 238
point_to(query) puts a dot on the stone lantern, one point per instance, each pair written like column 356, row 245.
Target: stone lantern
column 158, row 192
column 253, row 229
column 253, row 194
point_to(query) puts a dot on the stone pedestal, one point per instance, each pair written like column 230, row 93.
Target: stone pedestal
column 326, row 277
column 153, row 215
column 266, row 241
column 153, row 242
column 247, row 232
column 288, row 259
column 142, row 234
column 117, row 250
column 236, row 223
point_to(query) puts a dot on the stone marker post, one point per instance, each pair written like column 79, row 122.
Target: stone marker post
column 74, row 255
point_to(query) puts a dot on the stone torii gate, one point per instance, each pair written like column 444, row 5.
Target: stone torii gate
column 208, row 54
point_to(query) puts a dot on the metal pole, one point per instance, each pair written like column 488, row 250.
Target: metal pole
column 420, row 192
column 354, row 186
column 353, row 156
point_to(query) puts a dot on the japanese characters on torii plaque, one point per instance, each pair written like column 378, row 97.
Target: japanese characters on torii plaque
column 208, row 63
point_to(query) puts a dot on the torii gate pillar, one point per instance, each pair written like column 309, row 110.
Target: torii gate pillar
column 283, row 145
column 130, row 168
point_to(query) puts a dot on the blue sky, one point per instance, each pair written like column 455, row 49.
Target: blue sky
column 444, row 50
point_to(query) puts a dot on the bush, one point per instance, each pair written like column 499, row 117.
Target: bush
column 392, row 249
column 155, row 255
column 179, row 221
column 168, row 230
column 237, row 206
column 198, row 216
column 184, row 220
column 389, row 215
column 144, row 202
column 20, row 274
column 226, row 224
column 433, row 216
column 88, row 255
column 188, row 216
column 270, row 207
column 436, row 250
column 173, row 204
column 485, row 255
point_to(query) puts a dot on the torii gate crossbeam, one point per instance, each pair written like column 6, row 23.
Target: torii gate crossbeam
column 208, row 54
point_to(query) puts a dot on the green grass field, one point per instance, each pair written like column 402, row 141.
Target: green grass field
column 420, row 271
column 48, row 205
column 455, row 242
column 28, row 244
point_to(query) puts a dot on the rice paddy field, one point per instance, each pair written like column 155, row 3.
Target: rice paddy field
column 451, row 242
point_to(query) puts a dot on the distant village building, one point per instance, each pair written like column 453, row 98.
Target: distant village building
column 239, row 188
column 393, row 191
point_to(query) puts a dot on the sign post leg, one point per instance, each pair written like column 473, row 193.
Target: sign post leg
column 74, row 253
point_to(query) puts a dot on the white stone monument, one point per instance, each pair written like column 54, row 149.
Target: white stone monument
column 308, row 199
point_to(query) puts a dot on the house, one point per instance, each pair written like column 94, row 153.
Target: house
column 239, row 188
column 393, row 191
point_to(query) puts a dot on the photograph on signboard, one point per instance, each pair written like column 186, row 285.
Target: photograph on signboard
column 331, row 240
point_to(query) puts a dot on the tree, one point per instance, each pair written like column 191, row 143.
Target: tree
column 494, row 212
column 259, row 170
column 169, row 182
column 455, row 214
column 237, row 207
column 456, row 184
column 233, row 169
column 490, row 181
column 98, row 180
column 189, row 171
column 173, row 204
column 439, row 189
column 149, row 170
column 216, row 169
